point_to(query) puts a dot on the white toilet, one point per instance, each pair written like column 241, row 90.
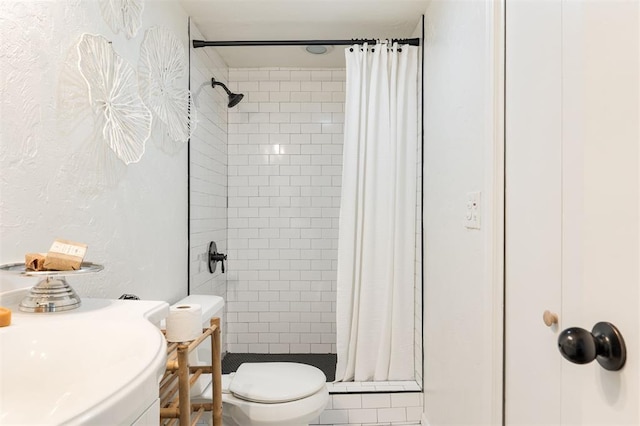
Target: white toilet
column 262, row 394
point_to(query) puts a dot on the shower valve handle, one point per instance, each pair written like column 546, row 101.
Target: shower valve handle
column 214, row 257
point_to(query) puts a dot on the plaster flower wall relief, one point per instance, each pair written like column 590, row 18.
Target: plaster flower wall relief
column 122, row 118
column 162, row 74
column 123, row 15
column 78, row 124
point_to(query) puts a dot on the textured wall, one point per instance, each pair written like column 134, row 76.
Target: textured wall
column 136, row 228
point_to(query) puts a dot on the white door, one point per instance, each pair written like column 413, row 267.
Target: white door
column 572, row 205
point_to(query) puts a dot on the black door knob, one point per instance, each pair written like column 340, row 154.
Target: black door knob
column 577, row 345
column 604, row 343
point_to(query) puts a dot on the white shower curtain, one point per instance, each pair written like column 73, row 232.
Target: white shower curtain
column 377, row 231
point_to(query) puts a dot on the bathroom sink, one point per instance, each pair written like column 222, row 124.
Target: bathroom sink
column 79, row 369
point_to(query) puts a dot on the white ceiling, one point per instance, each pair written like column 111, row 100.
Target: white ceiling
column 299, row 20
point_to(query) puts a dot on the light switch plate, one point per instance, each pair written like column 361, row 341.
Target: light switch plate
column 472, row 212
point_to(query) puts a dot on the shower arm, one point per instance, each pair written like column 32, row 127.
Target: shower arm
column 234, row 98
column 215, row 83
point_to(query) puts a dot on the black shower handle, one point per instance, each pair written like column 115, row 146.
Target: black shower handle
column 214, row 257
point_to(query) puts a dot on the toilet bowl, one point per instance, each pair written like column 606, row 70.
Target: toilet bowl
column 261, row 394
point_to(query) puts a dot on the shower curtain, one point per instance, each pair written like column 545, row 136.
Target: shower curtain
column 377, row 229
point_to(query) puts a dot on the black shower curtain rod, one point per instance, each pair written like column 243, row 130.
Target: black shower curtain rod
column 203, row 43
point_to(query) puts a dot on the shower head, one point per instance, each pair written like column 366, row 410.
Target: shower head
column 234, row 98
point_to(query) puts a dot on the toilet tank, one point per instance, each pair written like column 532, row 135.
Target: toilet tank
column 212, row 306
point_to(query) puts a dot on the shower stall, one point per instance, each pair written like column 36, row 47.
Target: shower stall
column 265, row 185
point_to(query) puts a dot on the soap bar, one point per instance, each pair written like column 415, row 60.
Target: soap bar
column 65, row 255
column 34, row 261
column 5, row 317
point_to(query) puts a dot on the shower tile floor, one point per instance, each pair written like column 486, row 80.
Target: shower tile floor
column 326, row 363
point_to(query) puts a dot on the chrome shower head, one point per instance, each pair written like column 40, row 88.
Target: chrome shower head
column 234, row 98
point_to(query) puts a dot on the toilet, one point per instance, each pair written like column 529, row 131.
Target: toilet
column 260, row 394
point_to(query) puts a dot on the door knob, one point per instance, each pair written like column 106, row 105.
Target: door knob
column 604, row 343
column 549, row 318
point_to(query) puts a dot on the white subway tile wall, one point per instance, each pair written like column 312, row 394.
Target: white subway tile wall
column 285, row 167
column 208, row 171
column 372, row 409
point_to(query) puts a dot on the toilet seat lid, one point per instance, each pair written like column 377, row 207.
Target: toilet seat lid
column 273, row 382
